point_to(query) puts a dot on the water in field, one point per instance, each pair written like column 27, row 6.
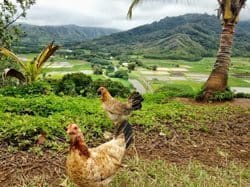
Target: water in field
column 240, row 89
column 59, row 65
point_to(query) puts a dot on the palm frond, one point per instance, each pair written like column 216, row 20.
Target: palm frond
column 130, row 10
column 11, row 55
column 136, row 2
column 46, row 54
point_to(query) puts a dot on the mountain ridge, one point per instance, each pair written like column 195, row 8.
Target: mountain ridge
column 38, row 36
column 171, row 37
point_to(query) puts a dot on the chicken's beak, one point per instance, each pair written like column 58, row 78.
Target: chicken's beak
column 70, row 133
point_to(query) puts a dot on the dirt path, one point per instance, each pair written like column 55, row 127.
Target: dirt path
column 241, row 102
column 221, row 143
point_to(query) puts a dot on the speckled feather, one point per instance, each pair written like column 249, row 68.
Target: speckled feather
column 118, row 111
column 97, row 168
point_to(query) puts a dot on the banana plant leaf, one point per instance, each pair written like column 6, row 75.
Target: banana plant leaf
column 14, row 73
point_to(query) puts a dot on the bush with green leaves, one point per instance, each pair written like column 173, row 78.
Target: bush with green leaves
column 36, row 88
column 71, row 84
column 23, row 119
column 80, row 84
column 109, row 69
column 97, row 69
column 242, row 95
column 115, row 88
column 131, row 66
column 99, row 61
column 177, row 90
column 226, row 95
column 75, row 84
column 123, row 74
column 138, row 62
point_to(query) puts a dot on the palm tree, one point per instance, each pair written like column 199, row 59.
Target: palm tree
column 30, row 70
column 218, row 80
column 228, row 11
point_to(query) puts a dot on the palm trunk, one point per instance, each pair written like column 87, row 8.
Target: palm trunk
column 218, row 78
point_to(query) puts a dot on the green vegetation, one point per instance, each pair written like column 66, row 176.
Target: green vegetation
column 76, row 84
column 167, row 128
column 10, row 12
column 161, row 174
column 182, row 37
column 23, row 119
column 36, row 88
column 36, row 37
column 32, row 69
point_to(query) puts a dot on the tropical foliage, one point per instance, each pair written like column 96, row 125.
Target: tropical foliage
column 10, row 12
column 228, row 11
column 32, row 69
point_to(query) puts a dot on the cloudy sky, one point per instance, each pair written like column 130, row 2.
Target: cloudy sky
column 112, row 13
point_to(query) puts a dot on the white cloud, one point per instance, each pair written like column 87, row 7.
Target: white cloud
column 112, row 13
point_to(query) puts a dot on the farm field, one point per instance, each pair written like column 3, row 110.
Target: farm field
column 168, row 72
column 178, row 142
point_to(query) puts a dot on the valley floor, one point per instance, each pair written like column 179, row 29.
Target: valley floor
column 215, row 155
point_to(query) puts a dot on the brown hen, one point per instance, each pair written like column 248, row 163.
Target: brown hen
column 95, row 167
column 116, row 110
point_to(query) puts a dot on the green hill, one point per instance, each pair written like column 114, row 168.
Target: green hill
column 37, row 36
column 190, row 36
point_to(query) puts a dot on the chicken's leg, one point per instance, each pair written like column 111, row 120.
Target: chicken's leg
column 135, row 151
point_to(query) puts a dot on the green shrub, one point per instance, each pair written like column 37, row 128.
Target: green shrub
column 177, row 90
column 49, row 114
column 131, row 66
column 159, row 98
column 36, row 88
column 115, row 88
column 74, row 84
column 226, row 95
column 97, row 69
column 110, row 69
column 99, row 61
column 71, row 84
column 123, row 74
column 138, row 62
column 242, row 95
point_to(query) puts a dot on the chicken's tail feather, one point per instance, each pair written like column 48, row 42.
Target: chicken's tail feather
column 126, row 129
column 136, row 100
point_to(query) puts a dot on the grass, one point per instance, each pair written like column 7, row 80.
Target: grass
column 161, row 174
column 238, row 65
column 23, row 119
column 145, row 173
column 203, row 67
column 237, row 82
column 29, row 56
column 123, row 81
